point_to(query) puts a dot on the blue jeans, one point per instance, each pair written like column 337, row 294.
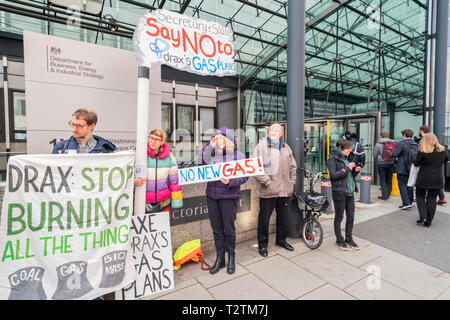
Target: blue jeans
column 407, row 193
column 385, row 171
column 441, row 194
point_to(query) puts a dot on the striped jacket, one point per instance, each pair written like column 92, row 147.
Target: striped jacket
column 162, row 178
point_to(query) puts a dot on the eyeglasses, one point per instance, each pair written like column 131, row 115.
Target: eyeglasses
column 154, row 139
column 78, row 126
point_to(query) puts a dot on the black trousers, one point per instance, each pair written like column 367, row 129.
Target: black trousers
column 266, row 207
column 222, row 215
column 343, row 203
column 426, row 203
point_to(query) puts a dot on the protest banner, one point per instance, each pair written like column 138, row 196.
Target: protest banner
column 64, row 226
column 228, row 170
column 152, row 253
column 185, row 43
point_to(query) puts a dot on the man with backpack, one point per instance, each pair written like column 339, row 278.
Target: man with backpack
column 405, row 155
column 383, row 156
column 357, row 149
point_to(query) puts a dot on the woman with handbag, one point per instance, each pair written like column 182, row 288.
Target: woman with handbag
column 431, row 158
column 163, row 190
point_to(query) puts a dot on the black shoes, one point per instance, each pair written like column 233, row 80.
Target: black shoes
column 341, row 245
column 220, row 263
column 383, row 198
column 350, row 243
column 263, row 251
column 285, row 245
column 231, row 264
column 426, row 223
column 420, row 221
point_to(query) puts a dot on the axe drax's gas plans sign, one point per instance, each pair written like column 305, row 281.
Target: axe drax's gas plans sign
column 185, row 43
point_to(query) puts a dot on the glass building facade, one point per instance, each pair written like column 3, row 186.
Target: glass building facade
column 369, row 63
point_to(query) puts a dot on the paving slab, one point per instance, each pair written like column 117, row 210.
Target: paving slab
column 366, row 289
column 195, row 292
column 211, row 280
column 445, row 295
column 329, row 268
column 178, row 286
column 247, row 287
column 413, row 276
column 327, row 292
column 285, row 276
column 353, row 257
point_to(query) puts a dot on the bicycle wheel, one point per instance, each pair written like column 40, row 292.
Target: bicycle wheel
column 312, row 233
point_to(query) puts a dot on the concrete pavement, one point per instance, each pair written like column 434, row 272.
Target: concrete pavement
column 327, row 273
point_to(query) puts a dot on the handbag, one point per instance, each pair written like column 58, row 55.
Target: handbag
column 413, row 176
column 189, row 251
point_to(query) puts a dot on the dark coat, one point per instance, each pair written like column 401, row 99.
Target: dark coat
column 338, row 177
column 431, row 172
column 402, row 164
column 102, row 146
column 217, row 189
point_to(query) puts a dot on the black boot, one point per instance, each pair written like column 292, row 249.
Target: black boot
column 220, row 263
column 231, row 267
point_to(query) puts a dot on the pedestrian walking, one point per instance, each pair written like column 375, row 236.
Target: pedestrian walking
column 343, row 185
column 383, row 156
column 431, row 158
column 404, row 153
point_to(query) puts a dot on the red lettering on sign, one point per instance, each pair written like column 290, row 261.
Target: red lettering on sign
column 186, row 37
column 213, row 43
column 150, row 24
column 238, row 168
column 227, row 171
column 249, row 165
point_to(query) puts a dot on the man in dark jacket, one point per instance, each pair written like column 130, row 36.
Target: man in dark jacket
column 222, row 197
column 82, row 140
column 359, row 156
column 403, row 166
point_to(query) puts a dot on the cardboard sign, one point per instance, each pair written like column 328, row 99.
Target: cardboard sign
column 185, row 43
column 227, row 170
column 64, row 226
column 152, row 253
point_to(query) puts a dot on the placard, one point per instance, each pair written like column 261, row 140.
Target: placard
column 227, row 170
column 152, row 253
column 185, row 43
column 64, row 227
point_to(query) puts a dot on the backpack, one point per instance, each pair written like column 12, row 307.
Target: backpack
column 412, row 152
column 189, row 251
column 388, row 150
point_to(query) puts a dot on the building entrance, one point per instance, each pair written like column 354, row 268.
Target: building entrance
column 321, row 134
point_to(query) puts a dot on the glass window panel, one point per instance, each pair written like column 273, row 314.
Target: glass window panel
column 207, row 123
column 165, row 118
column 185, row 118
column 19, row 116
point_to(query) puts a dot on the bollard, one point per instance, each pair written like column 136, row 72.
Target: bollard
column 394, row 191
column 366, row 181
column 326, row 188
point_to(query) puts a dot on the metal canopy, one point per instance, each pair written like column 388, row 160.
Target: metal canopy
column 367, row 49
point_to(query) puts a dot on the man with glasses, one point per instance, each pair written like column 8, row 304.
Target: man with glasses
column 82, row 140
